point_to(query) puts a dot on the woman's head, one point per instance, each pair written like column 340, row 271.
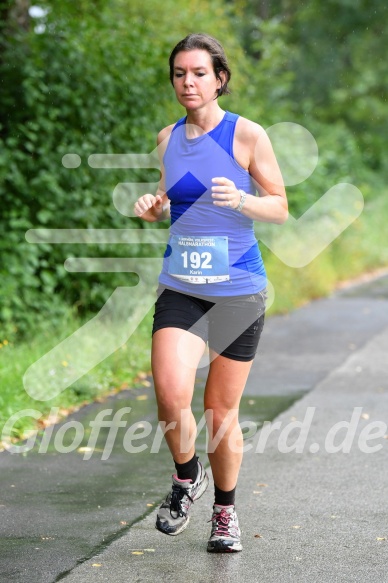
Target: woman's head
column 213, row 47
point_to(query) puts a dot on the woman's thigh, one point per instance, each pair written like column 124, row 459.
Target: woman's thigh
column 175, row 357
column 225, row 383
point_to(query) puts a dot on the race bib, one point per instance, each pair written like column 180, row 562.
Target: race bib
column 199, row 259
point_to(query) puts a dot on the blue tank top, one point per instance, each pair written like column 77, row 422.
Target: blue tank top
column 198, row 226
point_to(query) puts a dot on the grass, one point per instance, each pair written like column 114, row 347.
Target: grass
column 127, row 367
column 361, row 248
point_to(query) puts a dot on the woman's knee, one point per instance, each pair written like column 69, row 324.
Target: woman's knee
column 171, row 401
column 221, row 418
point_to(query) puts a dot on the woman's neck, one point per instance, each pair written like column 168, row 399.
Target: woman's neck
column 203, row 121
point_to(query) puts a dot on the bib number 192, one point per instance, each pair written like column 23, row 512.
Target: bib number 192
column 197, row 260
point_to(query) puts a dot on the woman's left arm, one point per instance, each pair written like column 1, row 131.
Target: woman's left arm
column 253, row 151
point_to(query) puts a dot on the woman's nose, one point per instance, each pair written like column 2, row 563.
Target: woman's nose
column 188, row 80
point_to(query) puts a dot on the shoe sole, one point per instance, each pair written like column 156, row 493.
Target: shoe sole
column 160, row 528
column 225, row 548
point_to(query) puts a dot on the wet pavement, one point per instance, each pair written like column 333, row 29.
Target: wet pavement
column 60, row 514
column 59, row 508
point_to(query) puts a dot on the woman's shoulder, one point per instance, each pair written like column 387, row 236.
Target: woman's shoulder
column 165, row 133
column 247, row 130
column 163, row 139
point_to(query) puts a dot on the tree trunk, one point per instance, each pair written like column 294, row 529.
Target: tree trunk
column 264, row 9
column 14, row 15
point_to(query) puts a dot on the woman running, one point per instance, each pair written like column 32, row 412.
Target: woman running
column 212, row 284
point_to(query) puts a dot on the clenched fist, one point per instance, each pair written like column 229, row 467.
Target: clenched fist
column 149, row 207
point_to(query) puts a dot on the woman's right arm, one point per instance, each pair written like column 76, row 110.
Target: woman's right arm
column 156, row 207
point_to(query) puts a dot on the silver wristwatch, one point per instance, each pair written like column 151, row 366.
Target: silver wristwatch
column 243, row 196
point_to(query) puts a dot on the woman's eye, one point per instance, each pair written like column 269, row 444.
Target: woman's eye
column 179, row 75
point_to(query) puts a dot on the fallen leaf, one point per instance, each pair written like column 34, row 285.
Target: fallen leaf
column 258, row 536
column 141, row 551
column 146, row 383
column 142, row 397
column 87, row 449
column 150, row 504
column 97, row 565
column 64, row 412
column 257, row 492
column 262, row 485
column 296, row 526
column 381, row 538
column 123, row 522
column 46, row 422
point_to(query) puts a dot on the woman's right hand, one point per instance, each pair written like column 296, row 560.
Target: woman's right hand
column 149, row 207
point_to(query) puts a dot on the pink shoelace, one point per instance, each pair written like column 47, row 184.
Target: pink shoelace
column 223, row 519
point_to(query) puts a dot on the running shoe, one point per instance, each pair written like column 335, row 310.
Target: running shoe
column 225, row 534
column 173, row 514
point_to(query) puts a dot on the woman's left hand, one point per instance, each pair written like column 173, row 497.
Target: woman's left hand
column 226, row 194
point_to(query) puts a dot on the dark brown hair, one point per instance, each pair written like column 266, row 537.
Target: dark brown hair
column 213, row 47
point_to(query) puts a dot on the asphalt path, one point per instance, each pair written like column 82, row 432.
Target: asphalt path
column 315, row 514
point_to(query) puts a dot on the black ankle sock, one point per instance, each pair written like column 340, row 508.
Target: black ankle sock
column 224, row 498
column 188, row 470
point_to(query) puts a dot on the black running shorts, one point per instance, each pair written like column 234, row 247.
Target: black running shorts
column 231, row 325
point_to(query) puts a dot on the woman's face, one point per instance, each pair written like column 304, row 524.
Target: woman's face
column 194, row 79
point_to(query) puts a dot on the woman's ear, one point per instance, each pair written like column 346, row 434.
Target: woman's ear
column 221, row 80
column 222, row 76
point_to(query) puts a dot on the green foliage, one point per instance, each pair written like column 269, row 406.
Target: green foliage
column 361, row 248
column 324, row 63
column 91, row 79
